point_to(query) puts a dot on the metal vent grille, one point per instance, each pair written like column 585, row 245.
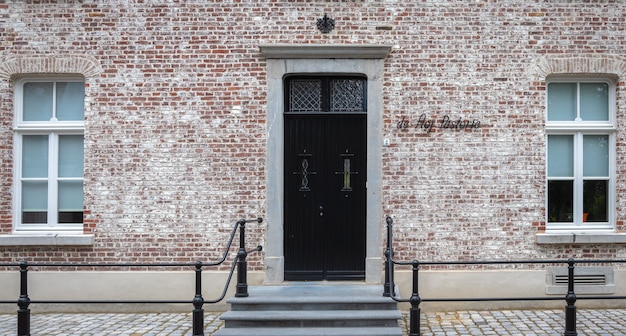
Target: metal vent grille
column 587, row 279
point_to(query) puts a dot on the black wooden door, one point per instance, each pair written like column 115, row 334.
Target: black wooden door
column 325, row 196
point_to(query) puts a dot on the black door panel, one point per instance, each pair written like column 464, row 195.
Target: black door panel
column 325, row 197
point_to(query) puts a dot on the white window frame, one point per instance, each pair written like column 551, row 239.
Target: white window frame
column 53, row 128
column 579, row 128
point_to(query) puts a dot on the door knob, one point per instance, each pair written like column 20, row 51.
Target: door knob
column 321, row 211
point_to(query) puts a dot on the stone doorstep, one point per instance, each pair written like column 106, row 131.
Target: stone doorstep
column 333, row 309
column 312, row 316
column 313, row 293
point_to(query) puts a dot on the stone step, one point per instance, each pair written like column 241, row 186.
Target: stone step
column 309, row 318
column 312, row 309
column 306, row 297
column 316, row 290
column 387, row 331
column 295, row 305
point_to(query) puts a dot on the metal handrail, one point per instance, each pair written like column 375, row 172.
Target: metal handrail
column 239, row 263
column 415, row 299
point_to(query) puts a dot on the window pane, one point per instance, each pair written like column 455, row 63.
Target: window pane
column 71, row 156
column 595, row 195
column 34, row 202
column 594, row 101
column 560, row 155
column 34, row 156
column 70, row 217
column 562, row 101
column 70, row 196
column 37, row 101
column 70, row 100
column 596, row 155
column 560, row 201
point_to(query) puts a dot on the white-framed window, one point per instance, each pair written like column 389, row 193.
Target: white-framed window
column 49, row 154
column 580, row 127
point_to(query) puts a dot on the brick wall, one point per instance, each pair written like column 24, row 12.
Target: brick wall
column 169, row 167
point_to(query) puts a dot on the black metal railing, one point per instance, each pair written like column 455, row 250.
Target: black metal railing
column 415, row 300
column 24, row 301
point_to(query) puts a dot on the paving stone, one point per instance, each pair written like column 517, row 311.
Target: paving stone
column 522, row 322
column 480, row 323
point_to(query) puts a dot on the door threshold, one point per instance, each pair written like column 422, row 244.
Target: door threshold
column 324, row 283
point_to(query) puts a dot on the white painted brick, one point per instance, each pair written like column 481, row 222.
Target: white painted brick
column 167, row 164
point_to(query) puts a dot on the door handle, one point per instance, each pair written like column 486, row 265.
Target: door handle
column 321, row 211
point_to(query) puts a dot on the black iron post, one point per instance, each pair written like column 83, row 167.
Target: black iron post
column 23, row 314
column 242, row 264
column 198, row 301
column 570, row 298
column 241, row 289
column 388, row 290
column 415, row 300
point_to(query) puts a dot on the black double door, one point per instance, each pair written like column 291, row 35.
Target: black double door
column 325, row 197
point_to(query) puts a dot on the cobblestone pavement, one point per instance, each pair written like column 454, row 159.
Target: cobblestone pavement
column 610, row 322
column 520, row 322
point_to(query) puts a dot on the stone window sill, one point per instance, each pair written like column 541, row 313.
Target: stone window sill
column 579, row 238
column 46, row 240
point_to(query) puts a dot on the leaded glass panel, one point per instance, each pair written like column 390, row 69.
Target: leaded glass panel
column 326, row 94
column 347, row 95
column 305, row 95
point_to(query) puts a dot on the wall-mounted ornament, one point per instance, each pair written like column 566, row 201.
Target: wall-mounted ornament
column 325, row 24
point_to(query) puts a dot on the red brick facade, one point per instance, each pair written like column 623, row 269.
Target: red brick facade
column 169, row 167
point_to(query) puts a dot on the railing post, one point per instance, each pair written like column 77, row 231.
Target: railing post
column 570, row 298
column 415, row 300
column 198, row 301
column 23, row 314
column 388, row 286
column 242, row 265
